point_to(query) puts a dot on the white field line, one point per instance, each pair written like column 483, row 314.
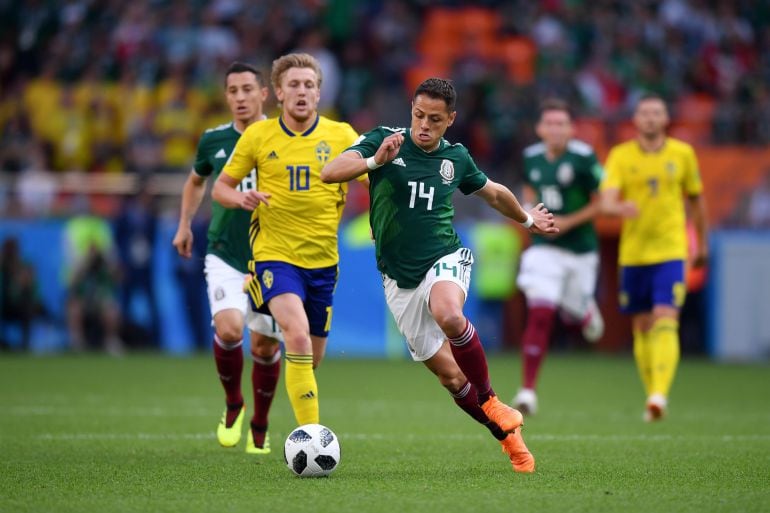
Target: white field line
column 407, row 437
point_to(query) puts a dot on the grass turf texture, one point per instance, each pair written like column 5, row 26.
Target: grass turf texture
column 91, row 433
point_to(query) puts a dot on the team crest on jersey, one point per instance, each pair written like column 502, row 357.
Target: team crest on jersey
column 447, row 171
column 322, row 152
column 267, row 278
column 534, row 175
column 565, row 173
column 670, row 168
column 219, row 293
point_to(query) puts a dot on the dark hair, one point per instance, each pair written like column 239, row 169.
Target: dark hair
column 554, row 104
column 242, row 67
column 651, row 96
column 439, row 89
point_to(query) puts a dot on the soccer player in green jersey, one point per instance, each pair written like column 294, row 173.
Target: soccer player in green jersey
column 558, row 273
column 651, row 182
column 226, row 268
column 425, row 269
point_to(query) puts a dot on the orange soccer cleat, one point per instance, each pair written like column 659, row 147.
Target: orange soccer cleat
column 503, row 415
column 521, row 459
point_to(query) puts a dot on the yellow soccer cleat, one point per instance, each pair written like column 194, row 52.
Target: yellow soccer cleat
column 251, row 448
column 230, row 436
column 503, row 415
column 521, row 459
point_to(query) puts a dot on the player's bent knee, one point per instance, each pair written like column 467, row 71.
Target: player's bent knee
column 229, row 334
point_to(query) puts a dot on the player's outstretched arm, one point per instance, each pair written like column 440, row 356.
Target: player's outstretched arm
column 225, row 192
column 346, row 166
column 351, row 164
column 500, row 197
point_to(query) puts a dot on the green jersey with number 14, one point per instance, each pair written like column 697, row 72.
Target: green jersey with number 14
column 229, row 228
column 564, row 186
column 411, row 207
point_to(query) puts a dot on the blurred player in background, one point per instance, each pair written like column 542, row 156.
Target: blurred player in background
column 558, row 272
column 226, row 266
column 425, row 270
column 645, row 182
column 295, row 252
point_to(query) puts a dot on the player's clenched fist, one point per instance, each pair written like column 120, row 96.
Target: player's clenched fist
column 543, row 220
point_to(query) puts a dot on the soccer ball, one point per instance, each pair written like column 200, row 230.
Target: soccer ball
column 312, row 450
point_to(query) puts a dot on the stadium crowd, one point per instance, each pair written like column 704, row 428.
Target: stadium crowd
column 104, row 86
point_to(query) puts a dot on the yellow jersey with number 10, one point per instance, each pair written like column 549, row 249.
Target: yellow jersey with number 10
column 656, row 182
column 300, row 224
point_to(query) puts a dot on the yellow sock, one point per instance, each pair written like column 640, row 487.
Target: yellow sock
column 302, row 388
column 664, row 354
column 642, row 357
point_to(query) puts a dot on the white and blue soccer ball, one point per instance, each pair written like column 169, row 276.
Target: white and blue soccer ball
column 312, row 450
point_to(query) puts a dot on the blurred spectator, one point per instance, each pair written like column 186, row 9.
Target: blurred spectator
column 93, row 312
column 19, row 294
column 135, row 229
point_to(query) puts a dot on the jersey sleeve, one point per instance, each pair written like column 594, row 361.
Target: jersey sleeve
column 202, row 165
column 367, row 144
column 612, row 172
column 594, row 172
column 693, row 186
column 473, row 178
column 243, row 159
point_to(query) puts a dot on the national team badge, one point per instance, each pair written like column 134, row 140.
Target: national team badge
column 447, row 171
column 565, row 173
column 267, row 279
column 322, row 152
column 534, row 175
column 671, row 168
column 219, row 293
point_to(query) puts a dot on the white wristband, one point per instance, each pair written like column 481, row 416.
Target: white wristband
column 371, row 163
column 529, row 222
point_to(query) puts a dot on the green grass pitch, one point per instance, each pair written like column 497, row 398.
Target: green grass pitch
column 90, row 433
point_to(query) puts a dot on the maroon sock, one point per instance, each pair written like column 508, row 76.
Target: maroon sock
column 469, row 354
column 264, row 380
column 466, row 399
column 534, row 343
column 229, row 362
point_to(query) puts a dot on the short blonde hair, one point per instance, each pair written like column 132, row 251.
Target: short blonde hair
column 294, row 60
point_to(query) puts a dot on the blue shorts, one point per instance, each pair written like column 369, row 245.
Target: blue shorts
column 315, row 287
column 644, row 286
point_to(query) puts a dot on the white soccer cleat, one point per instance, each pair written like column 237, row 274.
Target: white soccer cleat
column 526, row 401
column 655, row 408
column 593, row 328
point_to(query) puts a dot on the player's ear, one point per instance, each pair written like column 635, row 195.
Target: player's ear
column 264, row 92
column 452, row 117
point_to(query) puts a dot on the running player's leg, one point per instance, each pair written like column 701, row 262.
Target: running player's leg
column 578, row 298
column 228, row 305
column 667, row 297
column 266, row 356
column 541, row 279
column 447, row 285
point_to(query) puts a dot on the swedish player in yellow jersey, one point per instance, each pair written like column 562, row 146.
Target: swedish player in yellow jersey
column 295, row 246
column 646, row 182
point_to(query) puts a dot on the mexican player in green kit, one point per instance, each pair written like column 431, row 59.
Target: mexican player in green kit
column 228, row 254
column 425, row 269
column 558, row 273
